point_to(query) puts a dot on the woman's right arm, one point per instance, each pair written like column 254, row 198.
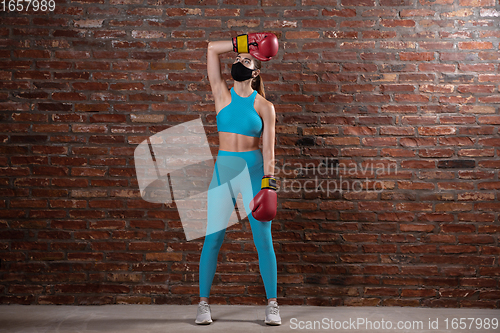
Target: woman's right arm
column 213, row 66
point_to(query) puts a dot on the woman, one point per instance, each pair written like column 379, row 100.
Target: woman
column 243, row 114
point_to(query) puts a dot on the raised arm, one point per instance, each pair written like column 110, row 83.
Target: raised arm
column 213, row 65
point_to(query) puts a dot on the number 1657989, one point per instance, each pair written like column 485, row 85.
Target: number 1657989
column 20, row 5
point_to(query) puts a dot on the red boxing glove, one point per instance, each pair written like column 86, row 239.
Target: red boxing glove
column 263, row 45
column 265, row 203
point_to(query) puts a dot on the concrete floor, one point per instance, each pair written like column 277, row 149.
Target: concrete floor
column 239, row 318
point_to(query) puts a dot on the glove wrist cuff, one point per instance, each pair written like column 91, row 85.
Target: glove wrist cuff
column 268, row 182
column 240, row 43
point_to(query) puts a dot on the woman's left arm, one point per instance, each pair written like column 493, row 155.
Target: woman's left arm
column 268, row 134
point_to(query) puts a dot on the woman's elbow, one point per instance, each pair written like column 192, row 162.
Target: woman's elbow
column 210, row 46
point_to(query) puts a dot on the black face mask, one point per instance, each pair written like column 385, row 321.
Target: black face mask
column 240, row 72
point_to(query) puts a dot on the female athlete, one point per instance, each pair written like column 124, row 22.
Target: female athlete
column 243, row 114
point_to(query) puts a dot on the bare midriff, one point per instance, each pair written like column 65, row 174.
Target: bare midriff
column 237, row 142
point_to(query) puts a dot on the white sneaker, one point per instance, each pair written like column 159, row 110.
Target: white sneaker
column 203, row 317
column 273, row 314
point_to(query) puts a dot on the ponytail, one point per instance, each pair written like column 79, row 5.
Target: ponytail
column 258, row 85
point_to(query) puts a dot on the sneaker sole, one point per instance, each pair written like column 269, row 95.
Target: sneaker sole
column 206, row 322
column 274, row 323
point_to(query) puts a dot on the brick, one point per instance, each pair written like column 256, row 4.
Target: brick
column 477, row 3
column 358, row 3
column 475, row 45
column 388, row 23
column 416, row 56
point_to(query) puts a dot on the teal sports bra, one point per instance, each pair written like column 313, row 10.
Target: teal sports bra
column 240, row 116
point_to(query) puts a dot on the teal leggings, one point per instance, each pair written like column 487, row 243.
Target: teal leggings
column 219, row 209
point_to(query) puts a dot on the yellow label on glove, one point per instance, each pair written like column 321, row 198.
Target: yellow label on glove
column 269, row 182
column 242, row 43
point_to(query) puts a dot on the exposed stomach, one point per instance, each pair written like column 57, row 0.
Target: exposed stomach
column 237, row 142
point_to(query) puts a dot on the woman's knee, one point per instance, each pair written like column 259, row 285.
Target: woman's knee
column 214, row 240
column 263, row 242
column 264, row 247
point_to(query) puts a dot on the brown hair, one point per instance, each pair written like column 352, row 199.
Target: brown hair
column 257, row 83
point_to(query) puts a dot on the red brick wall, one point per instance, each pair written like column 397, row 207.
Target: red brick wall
column 408, row 83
